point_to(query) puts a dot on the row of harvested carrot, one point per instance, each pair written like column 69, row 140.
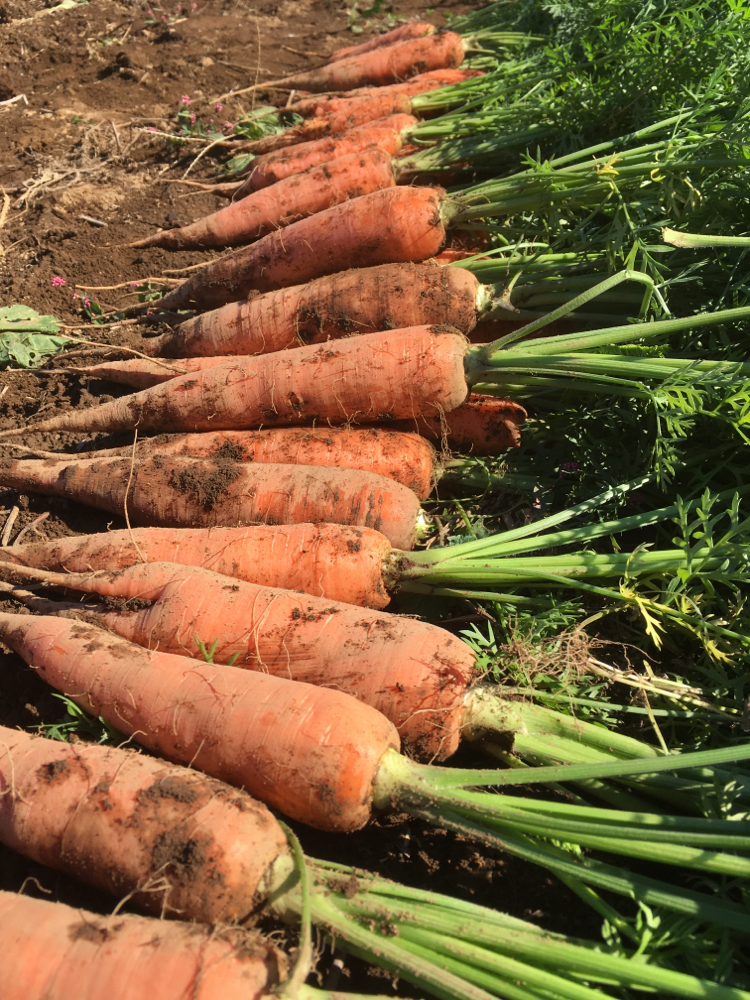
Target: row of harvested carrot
column 352, row 684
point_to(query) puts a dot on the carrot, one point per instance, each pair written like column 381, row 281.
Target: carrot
column 290, row 199
column 327, row 104
column 395, row 225
column 422, row 83
column 405, row 458
column 484, row 425
column 190, row 492
column 380, row 101
column 413, row 672
column 129, row 824
column 273, row 167
column 414, row 29
column 336, row 561
column 354, row 113
column 57, row 952
column 392, row 375
column 282, row 741
column 360, row 300
column 383, row 65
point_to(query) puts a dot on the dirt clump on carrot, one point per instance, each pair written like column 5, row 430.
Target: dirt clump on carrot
column 182, row 842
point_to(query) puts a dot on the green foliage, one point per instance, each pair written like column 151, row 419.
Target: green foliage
column 78, row 724
column 27, row 338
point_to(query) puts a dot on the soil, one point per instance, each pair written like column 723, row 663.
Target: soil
column 84, row 170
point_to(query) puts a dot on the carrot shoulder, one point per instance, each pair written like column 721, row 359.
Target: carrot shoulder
column 127, row 823
column 311, row 752
column 292, row 198
column 336, row 561
column 56, row 952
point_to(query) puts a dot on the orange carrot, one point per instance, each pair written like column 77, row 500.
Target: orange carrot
column 290, row 199
column 127, row 823
column 357, row 301
column 383, row 65
column 393, row 375
column 422, row 83
column 414, row 673
column 414, row 29
column 328, row 560
column 190, row 492
column 273, row 167
column 56, row 952
column 355, row 113
column 405, row 458
column 483, row 425
column 311, row 752
column 328, row 104
column 395, row 225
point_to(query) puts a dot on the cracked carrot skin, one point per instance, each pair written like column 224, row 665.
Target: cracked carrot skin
column 390, row 226
column 289, row 200
column 122, row 821
column 191, row 492
column 355, row 301
column 406, row 458
column 311, row 752
column 413, row 672
column 56, row 952
column 335, row 561
column 393, row 375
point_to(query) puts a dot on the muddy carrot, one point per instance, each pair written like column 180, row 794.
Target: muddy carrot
column 290, row 199
column 183, row 843
column 378, row 376
column 281, row 740
column 413, row 672
column 356, row 113
column 383, row 65
column 327, row 560
column 191, row 492
column 483, row 425
column 414, row 29
column 56, row 952
column 406, row 458
column 355, row 301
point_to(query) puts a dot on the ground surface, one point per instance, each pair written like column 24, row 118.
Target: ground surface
column 81, row 175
